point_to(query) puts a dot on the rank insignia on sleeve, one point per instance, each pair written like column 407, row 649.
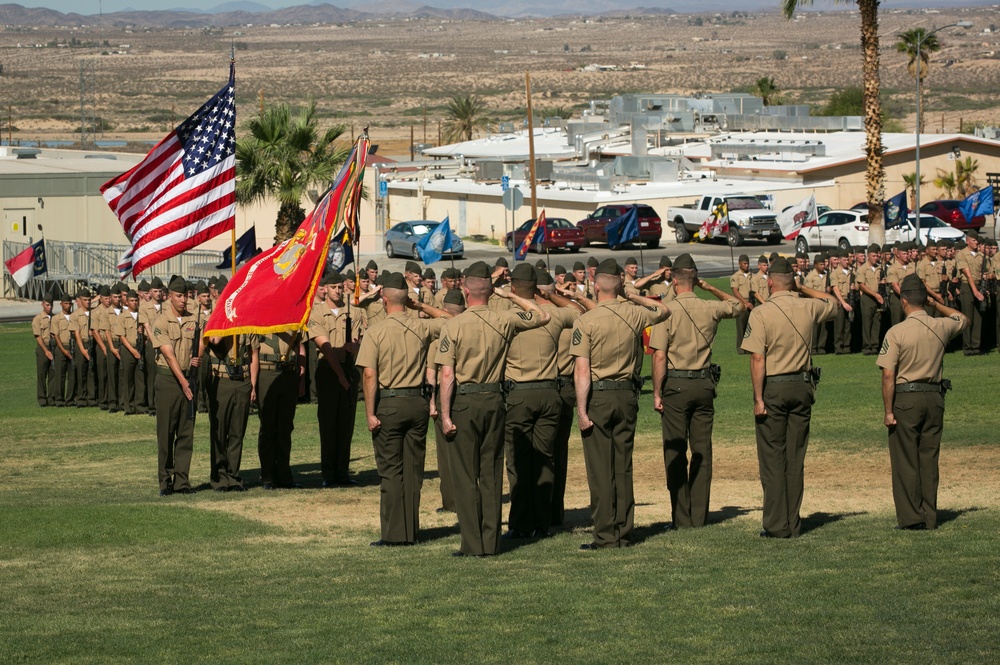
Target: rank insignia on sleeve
column 525, row 315
column 651, row 308
column 577, row 337
column 746, row 333
column 885, row 347
column 445, row 344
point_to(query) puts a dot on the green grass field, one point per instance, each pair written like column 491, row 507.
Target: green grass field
column 95, row 567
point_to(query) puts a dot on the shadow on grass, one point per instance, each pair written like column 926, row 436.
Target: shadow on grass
column 727, row 513
column 439, row 532
column 819, row 520
column 945, row 516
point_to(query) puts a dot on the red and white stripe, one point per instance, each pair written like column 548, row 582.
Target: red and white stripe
column 162, row 212
column 22, row 266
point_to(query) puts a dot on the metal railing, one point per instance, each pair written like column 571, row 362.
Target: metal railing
column 74, row 264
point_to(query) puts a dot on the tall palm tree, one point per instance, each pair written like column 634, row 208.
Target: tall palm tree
column 875, row 171
column 464, row 115
column 910, row 182
column 965, row 175
column 907, row 44
column 767, row 90
column 282, row 156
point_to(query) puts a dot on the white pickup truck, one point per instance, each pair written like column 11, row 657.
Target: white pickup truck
column 748, row 218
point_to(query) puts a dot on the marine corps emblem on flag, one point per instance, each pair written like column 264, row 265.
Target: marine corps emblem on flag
column 286, row 262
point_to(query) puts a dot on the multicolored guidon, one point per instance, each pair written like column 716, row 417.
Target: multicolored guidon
column 717, row 223
column 538, row 226
column 184, row 191
column 274, row 291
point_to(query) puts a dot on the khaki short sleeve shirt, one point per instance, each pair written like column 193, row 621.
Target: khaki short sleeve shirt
column 178, row 333
column 610, row 336
column 915, row 346
column 688, row 334
column 475, row 343
column 534, row 354
column 781, row 330
column 397, row 348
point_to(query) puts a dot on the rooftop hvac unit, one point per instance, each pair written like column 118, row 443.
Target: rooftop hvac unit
column 489, row 170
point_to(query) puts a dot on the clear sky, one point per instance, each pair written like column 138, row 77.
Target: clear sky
column 93, row 6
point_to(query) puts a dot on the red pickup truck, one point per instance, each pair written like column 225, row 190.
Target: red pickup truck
column 595, row 225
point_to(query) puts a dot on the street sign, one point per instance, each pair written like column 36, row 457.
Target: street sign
column 505, row 183
column 383, row 189
column 513, row 199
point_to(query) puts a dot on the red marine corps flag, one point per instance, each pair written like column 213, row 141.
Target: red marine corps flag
column 184, row 192
column 273, row 292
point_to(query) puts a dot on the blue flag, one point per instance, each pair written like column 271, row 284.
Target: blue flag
column 895, row 210
column 977, row 203
column 624, row 229
column 41, row 265
column 341, row 252
column 246, row 249
column 433, row 245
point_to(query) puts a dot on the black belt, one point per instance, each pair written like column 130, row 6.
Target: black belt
column 565, row 380
column 918, row 387
column 272, row 358
column 472, row 388
column 792, row 377
column 612, row 385
column 383, row 393
column 165, row 371
column 278, row 367
column 533, row 385
column 689, row 373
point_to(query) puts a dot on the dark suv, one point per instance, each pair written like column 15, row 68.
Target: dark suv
column 595, row 225
column 947, row 211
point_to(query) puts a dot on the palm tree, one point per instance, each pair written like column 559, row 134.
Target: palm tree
column 766, row 89
column 907, row 44
column 464, row 115
column 909, row 180
column 282, row 156
column 946, row 182
column 965, row 175
column 875, row 172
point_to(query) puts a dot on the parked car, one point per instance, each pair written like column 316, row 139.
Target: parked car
column 748, row 219
column 947, row 211
column 595, row 225
column 837, row 228
column 930, row 228
column 848, row 228
column 402, row 239
column 560, row 234
column 820, row 209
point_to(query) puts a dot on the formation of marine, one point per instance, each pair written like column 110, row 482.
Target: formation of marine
column 498, row 361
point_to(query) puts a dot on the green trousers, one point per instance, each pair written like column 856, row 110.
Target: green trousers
column 560, row 449
column 871, row 322
column 174, row 434
column 842, row 332
column 101, row 375
column 86, row 386
column 530, row 427
column 741, row 328
column 476, row 458
column 113, row 379
column 65, row 380
column 895, row 308
column 336, row 412
column 782, row 439
column 607, row 452
column 129, row 382
column 821, row 335
column 228, row 413
column 146, row 399
column 914, row 444
column 43, row 373
column 277, row 395
column 972, row 335
column 688, row 415
column 400, row 448
column 443, row 465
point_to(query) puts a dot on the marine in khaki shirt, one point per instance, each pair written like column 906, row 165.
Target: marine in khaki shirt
column 684, row 390
column 394, row 357
column 607, row 345
column 778, row 336
column 472, row 352
column 911, row 360
column 41, row 328
column 758, row 282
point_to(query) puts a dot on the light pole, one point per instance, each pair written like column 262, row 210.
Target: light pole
column 921, row 38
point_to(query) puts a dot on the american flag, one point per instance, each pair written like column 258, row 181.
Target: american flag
column 184, row 192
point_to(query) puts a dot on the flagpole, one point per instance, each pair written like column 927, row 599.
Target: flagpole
column 531, row 149
column 232, row 257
